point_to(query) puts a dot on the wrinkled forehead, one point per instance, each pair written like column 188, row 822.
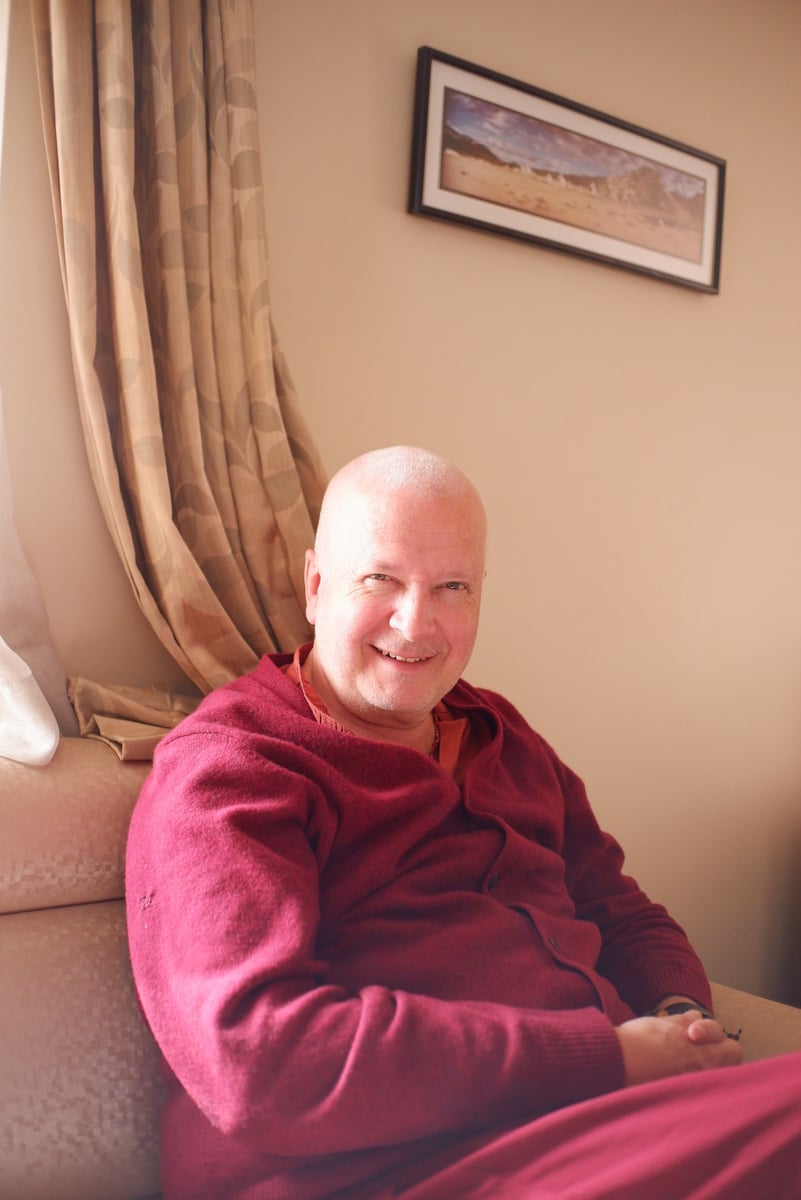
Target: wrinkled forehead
column 404, row 525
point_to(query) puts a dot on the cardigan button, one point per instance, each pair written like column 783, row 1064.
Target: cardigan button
column 553, row 942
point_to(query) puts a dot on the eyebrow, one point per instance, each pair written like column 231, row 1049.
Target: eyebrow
column 462, row 574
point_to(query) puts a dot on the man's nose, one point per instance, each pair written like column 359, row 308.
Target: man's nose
column 413, row 614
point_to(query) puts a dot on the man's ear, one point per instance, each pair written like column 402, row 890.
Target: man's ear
column 311, row 579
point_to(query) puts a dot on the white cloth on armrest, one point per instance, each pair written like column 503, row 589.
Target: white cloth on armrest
column 29, row 731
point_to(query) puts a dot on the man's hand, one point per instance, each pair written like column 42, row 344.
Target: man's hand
column 655, row 1047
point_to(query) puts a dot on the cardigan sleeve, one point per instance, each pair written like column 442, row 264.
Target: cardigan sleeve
column 645, row 954
column 223, row 911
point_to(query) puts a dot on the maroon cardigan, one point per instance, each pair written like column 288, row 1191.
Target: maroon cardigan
column 350, row 962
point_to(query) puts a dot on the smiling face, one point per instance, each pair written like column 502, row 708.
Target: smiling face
column 393, row 588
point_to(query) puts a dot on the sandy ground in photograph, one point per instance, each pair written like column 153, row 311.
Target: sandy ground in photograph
column 569, row 203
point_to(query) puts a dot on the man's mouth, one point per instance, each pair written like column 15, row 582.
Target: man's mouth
column 401, row 657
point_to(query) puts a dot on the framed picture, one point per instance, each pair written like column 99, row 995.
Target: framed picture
column 509, row 158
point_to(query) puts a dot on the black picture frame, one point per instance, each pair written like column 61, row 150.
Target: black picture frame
column 506, row 157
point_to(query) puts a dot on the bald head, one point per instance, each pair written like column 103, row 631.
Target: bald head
column 395, row 471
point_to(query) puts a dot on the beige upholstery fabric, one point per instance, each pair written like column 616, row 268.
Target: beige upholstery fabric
column 768, row 1028
column 79, row 1095
column 64, row 826
column 79, row 1080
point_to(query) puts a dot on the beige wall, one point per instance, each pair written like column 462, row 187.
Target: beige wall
column 635, row 441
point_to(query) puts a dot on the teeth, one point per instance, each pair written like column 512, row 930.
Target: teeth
column 399, row 657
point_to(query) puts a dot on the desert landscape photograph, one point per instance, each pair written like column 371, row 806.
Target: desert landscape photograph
column 517, row 161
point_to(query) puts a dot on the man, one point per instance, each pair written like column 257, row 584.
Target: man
column 380, row 938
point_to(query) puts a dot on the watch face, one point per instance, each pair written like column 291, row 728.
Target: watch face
column 682, row 1006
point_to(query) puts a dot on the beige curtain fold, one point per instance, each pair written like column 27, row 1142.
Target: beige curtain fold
column 131, row 720
column 208, row 477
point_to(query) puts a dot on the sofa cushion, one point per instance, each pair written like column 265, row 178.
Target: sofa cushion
column 80, row 1091
column 65, row 826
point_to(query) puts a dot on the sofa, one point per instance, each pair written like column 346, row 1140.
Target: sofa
column 79, row 1085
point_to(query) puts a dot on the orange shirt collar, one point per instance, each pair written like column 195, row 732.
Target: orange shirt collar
column 452, row 730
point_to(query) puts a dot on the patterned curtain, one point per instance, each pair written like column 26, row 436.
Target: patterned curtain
column 208, row 478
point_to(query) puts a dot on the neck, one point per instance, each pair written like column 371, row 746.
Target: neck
column 423, row 735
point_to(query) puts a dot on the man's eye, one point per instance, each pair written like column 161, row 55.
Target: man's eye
column 453, row 585
column 378, row 577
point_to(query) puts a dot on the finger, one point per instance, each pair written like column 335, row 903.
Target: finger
column 704, row 1031
column 723, row 1054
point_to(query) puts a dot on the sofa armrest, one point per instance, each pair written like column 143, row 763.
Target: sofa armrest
column 65, row 827
column 768, row 1028
column 81, row 1089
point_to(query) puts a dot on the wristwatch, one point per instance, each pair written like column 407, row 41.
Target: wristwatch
column 681, row 1006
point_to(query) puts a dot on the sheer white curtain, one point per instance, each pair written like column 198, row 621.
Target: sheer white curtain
column 33, row 699
column 5, row 22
